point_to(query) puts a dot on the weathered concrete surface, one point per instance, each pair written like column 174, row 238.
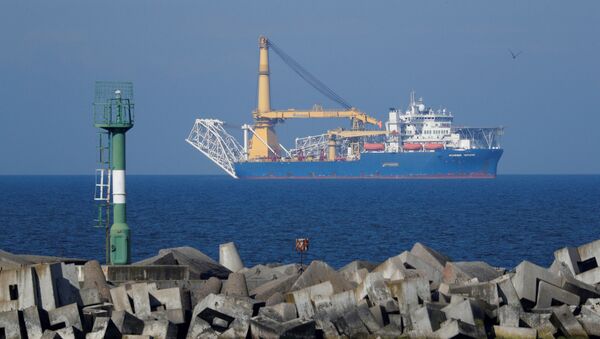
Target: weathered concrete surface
column 122, row 273
column 94, row 278
column 506, row 332
column 120, row 299
column 211, row 286
column 235, row 285
column 527, row 277
column 318, row 272
column 456, row 272
column 200, row 265
column 160, row 329
column 127, row 323
column 66, row 316
column 104, row 328
column 430, row 256
column 266, row 328
column 281, row 285
column 10, row 325
column 564, row 320
column 229, row 257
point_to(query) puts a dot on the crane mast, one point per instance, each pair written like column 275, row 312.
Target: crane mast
column 264, row 142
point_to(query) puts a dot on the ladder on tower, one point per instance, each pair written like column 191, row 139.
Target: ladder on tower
column 102, row 188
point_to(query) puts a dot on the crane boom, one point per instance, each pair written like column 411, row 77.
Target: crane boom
column 294, row 114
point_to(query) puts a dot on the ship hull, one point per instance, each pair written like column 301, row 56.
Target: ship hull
column 441, row 164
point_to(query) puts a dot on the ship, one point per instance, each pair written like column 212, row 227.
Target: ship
column 416, row 143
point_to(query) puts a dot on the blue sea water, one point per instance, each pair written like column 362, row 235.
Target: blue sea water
column 501, row 221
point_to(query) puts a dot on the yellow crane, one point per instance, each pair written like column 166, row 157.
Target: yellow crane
column 264, row 143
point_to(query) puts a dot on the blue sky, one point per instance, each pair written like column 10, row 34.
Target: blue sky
column 189, row 59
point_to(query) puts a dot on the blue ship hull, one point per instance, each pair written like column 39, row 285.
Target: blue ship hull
column 477, row 163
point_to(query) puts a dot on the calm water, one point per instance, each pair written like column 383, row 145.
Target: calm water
column 500, row 221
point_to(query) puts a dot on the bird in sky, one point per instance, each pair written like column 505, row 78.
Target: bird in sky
column 515, row 55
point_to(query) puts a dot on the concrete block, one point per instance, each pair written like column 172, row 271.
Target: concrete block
column 229, row 257
column 303, row 304
column 120, row 299
column 506, row 291
column 200, row 265
column 46, row 274
column 231, row 306
column 172, row 298
column 266, row 328
column 486, row 291
column 591, row 324
column 134, row 336
column 103, row 328
column 65, row 316
column 235, row 285
column 389, row 331
column 431, row 256
column 392, row 268
column 351, row 325
column 565, row 321
column 433, row 273
column 67, row 285
column 356, row 271
column 466, row 311
column 506, row 332
column 457, row 272
column 426, row 319
column 371, row 323
column 200, row 328
column 573, row 285
column 28, row 287
column 166, row 258
column 334, row 306
column 90, row 296
column 70, row 333
column 327, row 328
column 34, row 322
column 160, row 329
column 375, row 288
column 280, row 285
column 6, row 306
column 93, row 277
column 141, row 300
column 540, row 322
column 410, row 292
column 8, row 285
column 275, row 299
column 49, row 334
column 262, row 274
column 238, row 329
column 210, row 286
column 550, row 295
column 10, row 325
column 127, row 323
column 509, row 315
column 318, row 272
column 379, row 315
column 459, row 329
column 125, row 273
column 583, row 261
column 281, row 312
column 527, row 277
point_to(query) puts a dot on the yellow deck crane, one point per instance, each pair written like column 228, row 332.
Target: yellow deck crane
column 264, row 143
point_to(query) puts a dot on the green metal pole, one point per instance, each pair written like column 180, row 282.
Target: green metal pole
column 120, row 242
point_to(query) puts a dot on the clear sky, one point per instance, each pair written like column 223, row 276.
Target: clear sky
column 190, row 58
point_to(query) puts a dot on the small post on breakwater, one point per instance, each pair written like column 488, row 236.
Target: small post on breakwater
column 302, row 247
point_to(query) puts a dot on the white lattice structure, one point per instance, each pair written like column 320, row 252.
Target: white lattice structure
column 209, row 137
column 313, row 145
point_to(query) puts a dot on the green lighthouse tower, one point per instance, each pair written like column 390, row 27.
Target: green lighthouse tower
column 113, row 113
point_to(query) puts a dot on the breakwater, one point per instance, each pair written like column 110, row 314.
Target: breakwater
column 183, row 293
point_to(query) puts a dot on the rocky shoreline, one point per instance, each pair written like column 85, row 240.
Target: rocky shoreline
column 183, row 293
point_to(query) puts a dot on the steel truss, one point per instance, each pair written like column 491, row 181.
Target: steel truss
column 209, row 137
column 481, row 137
column 310, row 146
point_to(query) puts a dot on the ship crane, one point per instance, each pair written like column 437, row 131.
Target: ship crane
column 264, row 143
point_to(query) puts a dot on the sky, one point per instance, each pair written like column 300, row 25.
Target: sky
column 191, row 59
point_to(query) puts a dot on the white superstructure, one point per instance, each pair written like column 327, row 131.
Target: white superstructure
column 422, row 128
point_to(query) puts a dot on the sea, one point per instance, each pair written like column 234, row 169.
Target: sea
column 502, row 221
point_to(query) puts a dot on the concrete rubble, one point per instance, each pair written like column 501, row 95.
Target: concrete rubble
column 183, row 293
